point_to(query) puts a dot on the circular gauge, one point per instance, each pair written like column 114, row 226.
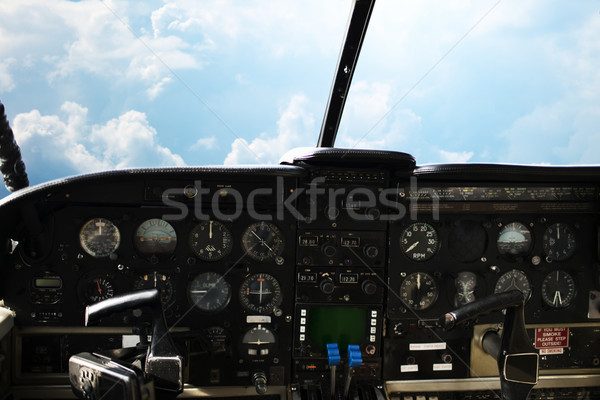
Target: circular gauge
column 465, row 284
column 218, row 338
column 260, row 293
column 99, row 237
column 419, row 241
column 258, row 342
column 418, row 291
column 514, row 280
column 467, row 241
column 209, row 292
column 98, row 289
column 156, row 280
column 155, row 236
column 514, row 239
column 558, row 289
column 210, row 240
column 559, row 242
column 263, row 241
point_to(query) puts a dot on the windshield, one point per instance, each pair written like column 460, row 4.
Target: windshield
column 92, row 85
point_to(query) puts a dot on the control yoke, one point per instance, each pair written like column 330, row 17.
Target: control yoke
column 164, row 363
column 518, row 361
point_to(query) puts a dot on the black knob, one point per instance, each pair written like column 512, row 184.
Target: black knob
column 331, row 213
column 329, row 250
column 369, row 287
column 373, row 214
column 259, row 380
column 327, row 286
column 371, row 251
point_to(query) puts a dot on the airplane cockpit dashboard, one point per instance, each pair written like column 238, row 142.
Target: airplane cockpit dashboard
column 259, row 269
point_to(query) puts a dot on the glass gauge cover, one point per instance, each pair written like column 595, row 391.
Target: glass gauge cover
column 155, row 236
column 467, row 241
column 419, row 241
column 263, row 241
column 158, row 281
column 465, row 284
column 559, row 242
column 98, row 289
column 558, row 289
column 260, row 293
column 209, row 292
column 210, row 240
column 513, row 280
column 514, row 239
column 99, row 237
column 418, row 291
column 258, row 342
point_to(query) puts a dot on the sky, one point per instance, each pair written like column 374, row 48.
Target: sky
column 98, row 85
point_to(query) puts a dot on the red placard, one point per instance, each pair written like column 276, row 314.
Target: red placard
column 551, row 338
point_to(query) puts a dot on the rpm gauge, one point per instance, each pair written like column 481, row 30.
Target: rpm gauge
column 558, row 289
column 155, row 236
column 260, row 293
column 99, row 237
column 210, row 240
column 418, row 291
column 514, row 280
column 559, row 242
column 209, row 292
column 263, row 241
column 514, row 239
column 419, row 241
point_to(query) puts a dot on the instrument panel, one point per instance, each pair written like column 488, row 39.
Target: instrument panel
column 263, row 286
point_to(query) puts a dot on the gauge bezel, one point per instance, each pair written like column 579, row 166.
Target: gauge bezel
column 518, row 272
column 268, row 307
column 113, row 239
column 571, row 242
column 155, row 222
column 275, row 240
column 516, row 249
column 420, row 252
column 405, row 295
column 220, row 252
column 572, row 293
column 223, row 284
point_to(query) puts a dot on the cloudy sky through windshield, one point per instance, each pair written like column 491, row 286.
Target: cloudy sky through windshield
column 94, row 85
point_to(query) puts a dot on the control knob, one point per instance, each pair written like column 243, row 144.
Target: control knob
column 369, row 287
column 371, row 251
column 327, row 286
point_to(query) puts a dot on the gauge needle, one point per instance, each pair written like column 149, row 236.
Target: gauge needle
column 210, row 230
column 98, row 284
column 418, row 281
column 415, row 244
column 557, row 295
column 261, row 293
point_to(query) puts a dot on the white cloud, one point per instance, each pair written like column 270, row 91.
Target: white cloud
column 566, row 129
column 206, row 143
column 294, row 127
column 7, row 82
column 71, row 145
column 455, row 157
column 371, row 121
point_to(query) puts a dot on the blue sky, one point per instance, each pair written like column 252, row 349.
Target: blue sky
column 95, row 85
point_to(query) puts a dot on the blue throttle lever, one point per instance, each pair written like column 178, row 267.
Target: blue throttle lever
column 354, row 360
column 333, row 354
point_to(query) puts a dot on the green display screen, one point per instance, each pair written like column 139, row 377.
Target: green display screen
column 341, row 325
